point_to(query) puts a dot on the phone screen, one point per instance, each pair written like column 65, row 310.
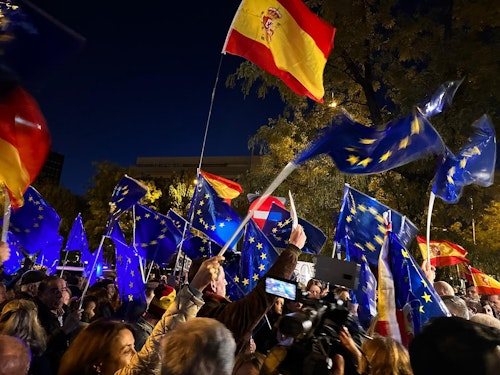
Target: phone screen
column 281, row 288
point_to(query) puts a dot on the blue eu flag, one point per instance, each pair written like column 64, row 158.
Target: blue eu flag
column 232, row 269
column 14, row 263
column 130, row 283
column 212, row 215
column 278, row 227
column 474, row 164
column 155, row 234
column 361, row 222
column 360, row 149
column 126, row 193
column 257, row 256
column 36, row 224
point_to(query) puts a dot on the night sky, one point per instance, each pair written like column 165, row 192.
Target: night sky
column 137, row 80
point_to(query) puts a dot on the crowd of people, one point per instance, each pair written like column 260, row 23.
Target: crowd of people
column 49, row 326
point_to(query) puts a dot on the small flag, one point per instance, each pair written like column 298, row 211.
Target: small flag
column 278, row 228
column 441, row 99
column 35, row 224
column 474, row 164
column 443, row 253
column 484, row 284
column 126, row 193
column 361, row 221
column 77, row 238
column 197, row 247
column 226, row 189
column 15, row 261
column 212, row 216
column 285, row 39
column 155, row 234
column 130, row 284
column 257, row 257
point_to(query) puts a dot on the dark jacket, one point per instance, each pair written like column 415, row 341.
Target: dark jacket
column 57, row 340
column 242, row 316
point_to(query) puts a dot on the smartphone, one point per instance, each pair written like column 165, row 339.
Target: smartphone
column 281, row 288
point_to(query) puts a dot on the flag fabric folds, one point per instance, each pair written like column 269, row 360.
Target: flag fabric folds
column 474, row 164
column 361, row 221
column 51, row 254
column 257, row 256
column 35, row 224
column 226, row 189
column 15, row 261
column 24, row 143
column 359, row 149
column 232, row 269
column 441, row 99
column 278, row 228
column 77, row 237
column 443, row 253
column 284, row 38
column 130, row 283
column 415, row 300
column 367, row 286
column 126, row 193
column 484, row 284
column 155, row 234
column 211, row 215
column 197, row 247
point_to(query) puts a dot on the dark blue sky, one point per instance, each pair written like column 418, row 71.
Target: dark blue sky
column 140, row 84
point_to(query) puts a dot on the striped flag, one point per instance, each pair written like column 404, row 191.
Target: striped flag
column 443, row 253
column 284, row 38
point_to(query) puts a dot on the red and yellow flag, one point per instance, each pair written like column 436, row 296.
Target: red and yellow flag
column 24, row 143
column 443, row 253
column 284, row 38
column 225, row 188
column 484, row 284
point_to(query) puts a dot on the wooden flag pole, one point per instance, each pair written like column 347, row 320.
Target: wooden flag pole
column 6, row 216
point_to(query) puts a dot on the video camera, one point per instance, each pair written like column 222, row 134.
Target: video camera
column 315, row 329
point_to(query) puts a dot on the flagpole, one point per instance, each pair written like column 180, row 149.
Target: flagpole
column 64, row 263
column 432, row 197
column 6, row 216
column 91, row 271
column 289, row 168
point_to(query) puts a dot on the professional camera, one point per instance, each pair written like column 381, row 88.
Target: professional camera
column 315, row 330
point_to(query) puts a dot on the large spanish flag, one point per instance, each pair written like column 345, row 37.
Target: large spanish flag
column 484, row 284
column 24, row 143
column 442, row 253
column 284, row 38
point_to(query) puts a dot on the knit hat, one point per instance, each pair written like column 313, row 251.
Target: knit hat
column 164, row 296
column 32, row 276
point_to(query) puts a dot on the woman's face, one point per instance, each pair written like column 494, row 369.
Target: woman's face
column 90, row 309
column 121, row 352
column 278, row 305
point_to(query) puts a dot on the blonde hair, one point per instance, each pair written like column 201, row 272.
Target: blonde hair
column 19, row 318
column 385, row 356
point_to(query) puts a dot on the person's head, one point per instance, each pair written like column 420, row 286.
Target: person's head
column 50, row 292
column 15, row 356
column 164, row 295
column 19, row 318
column 217, row 286
column 342, row 293
column 487, row 309
column 443, row 288
column 292, row 306
column 487, row 320
column 494, row 301
column 457, row 306
column 248, row 363
column 384, row 356
column 278, row 305
column 453, row 345
column 198, row 346
column 89, row 305
column 30, row 281
column 471, row 292
column 103, row 347
column 314, row 287
column 66, row 296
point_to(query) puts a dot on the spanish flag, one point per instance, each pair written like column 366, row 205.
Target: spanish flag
column 24, row 143
column 284, row 38
column 484, row 284
column 226, row 189
column 443, row 253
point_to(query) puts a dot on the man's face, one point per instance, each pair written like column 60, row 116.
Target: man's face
column 219, row 285
column 472, row 293
column 52, row 297
column 494, row 301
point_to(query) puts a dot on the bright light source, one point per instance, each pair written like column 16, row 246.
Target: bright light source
column 332, row 104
